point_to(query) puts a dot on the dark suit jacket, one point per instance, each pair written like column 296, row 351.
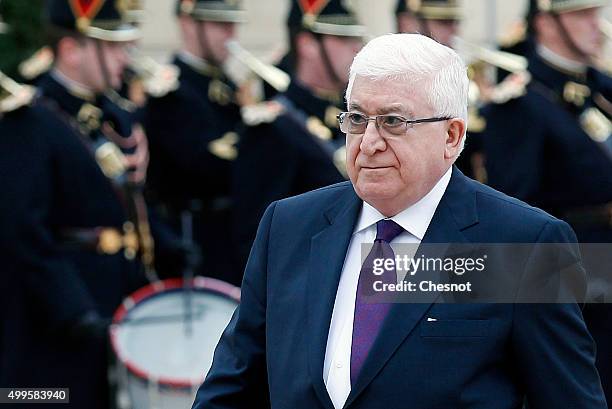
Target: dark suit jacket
column 474, row 356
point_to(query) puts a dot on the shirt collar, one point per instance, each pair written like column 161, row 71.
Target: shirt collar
column 414, row 219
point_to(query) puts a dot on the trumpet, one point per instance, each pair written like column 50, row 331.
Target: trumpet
column 507, row 61
column 277, row 78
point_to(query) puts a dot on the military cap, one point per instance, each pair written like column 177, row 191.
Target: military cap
column 562, row 6
column 431, row 9
column 134, row 12
column 99, row 19
column 331, row 17
column 223, row 11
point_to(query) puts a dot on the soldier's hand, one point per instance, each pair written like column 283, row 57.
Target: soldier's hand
column 138, row 162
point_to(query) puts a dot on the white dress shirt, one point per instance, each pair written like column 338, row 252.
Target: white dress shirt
column 415, row 221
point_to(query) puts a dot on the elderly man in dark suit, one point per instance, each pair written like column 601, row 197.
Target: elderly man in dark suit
column 305, row 336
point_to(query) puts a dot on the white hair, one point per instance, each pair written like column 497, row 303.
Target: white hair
column 415, row 58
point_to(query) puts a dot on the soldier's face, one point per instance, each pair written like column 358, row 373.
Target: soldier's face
column 583, row 28
column 341, row 52
column 114, row 57
column 443, row 31
column 393, row 172
column 407, row 23
column 215, row 36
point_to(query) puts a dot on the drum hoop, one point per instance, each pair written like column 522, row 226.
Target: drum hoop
column 149, row 291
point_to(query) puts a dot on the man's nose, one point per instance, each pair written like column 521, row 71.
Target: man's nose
column 372, row 141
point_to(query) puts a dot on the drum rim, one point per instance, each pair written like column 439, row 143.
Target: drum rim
column 151, row 290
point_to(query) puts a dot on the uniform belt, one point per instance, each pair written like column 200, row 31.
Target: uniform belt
column 592, row 216
column 104, row 240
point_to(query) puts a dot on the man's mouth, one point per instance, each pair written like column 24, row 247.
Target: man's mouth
column 375, row 167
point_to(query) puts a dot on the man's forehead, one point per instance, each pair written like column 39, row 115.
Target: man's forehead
column 380, row 108
column 386, row 96
column 399, row 87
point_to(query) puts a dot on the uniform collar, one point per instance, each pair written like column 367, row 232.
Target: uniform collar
column 89, row 113
column 550, row 75
column 199, row 65
column 73, row 87
column 414, row 219
column 317, row 105
column 562, row 64
column 54, row 87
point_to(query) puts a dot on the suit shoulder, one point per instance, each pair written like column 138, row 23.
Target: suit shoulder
column 317, row 199
column 509, row 211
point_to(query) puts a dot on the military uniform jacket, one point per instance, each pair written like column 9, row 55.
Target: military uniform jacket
column 552, row 146
column 191, row 136
column 55, row 186
column 192, row 142
column 292, row 145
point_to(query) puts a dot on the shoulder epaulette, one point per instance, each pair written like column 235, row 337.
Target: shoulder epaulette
column 264, row 112
column 37, row 64
column 512, row 87
column 162, row 80
column 14, row 95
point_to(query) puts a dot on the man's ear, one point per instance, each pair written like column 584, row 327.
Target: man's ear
column 454, row 137
column 306, row 45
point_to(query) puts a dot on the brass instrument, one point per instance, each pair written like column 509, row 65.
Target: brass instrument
column 277, row 78
column 507, row 61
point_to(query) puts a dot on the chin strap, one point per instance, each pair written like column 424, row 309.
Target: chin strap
column 327, row 62
column 102, row 64
column 568, row 39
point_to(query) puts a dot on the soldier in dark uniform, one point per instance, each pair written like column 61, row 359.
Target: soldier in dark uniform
column 192, row 134
column 292, row 144
column 440, row 19
column 77, row 236
column 551, row 145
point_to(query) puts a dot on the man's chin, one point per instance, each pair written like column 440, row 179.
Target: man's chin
column 373, row 192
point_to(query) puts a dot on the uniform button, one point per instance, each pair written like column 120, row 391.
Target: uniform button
column 338, row 365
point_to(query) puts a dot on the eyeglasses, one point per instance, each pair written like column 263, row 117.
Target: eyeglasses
column 355, row 123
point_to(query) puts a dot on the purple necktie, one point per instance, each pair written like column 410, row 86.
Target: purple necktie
column 369, row 316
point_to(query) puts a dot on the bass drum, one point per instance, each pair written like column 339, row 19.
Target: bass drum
column 164, row 336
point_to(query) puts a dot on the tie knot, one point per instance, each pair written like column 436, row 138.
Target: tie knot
column 387, row 230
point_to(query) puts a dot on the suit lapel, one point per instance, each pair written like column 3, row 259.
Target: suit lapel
column 456, row 212
column 327, row 253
